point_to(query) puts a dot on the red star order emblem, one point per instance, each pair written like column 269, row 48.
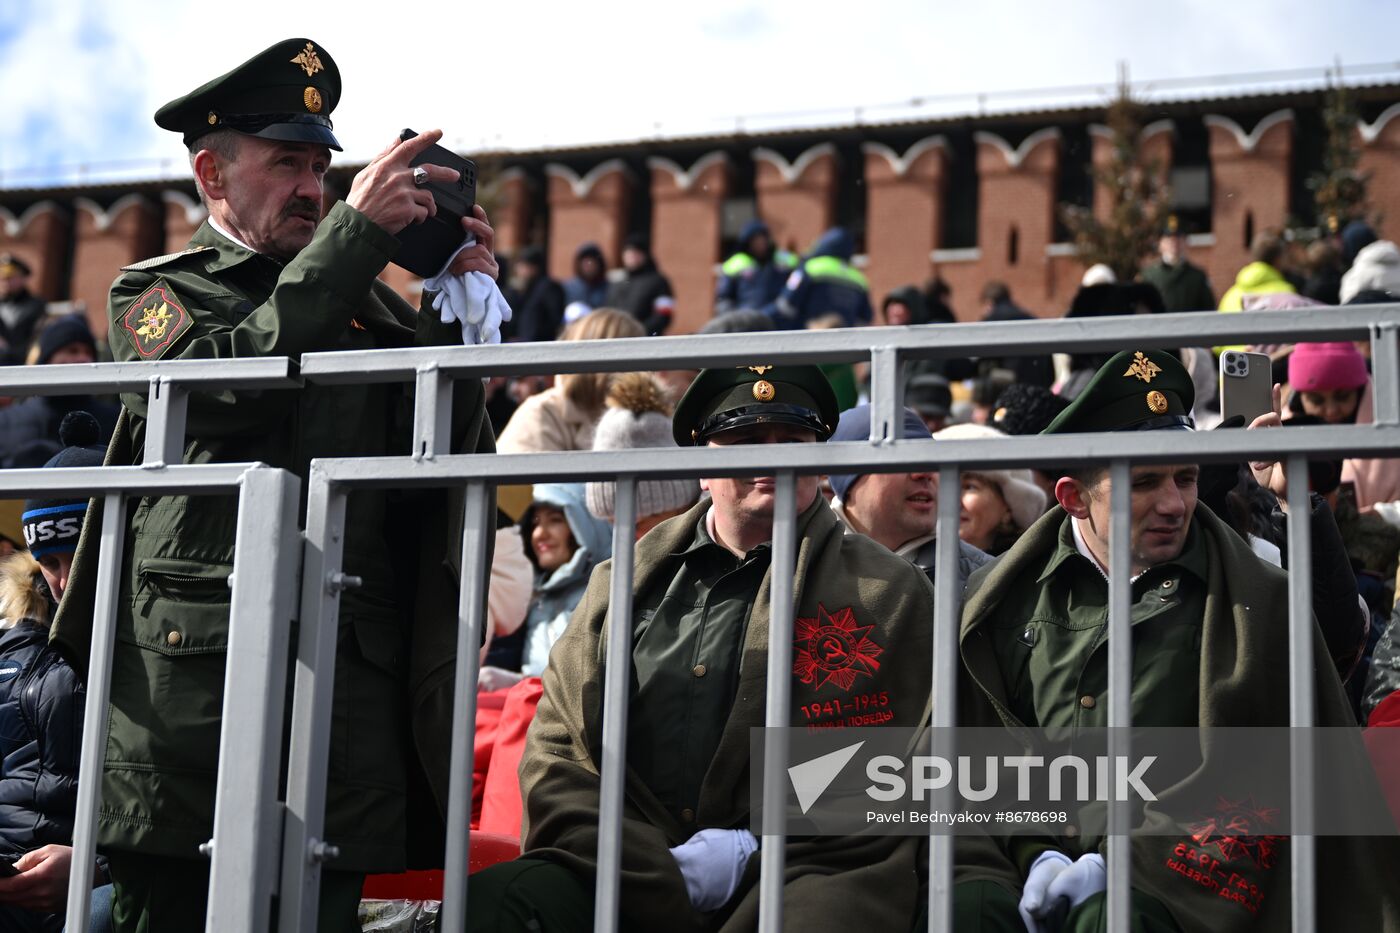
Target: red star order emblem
column 1237, row 832
column 832, row 648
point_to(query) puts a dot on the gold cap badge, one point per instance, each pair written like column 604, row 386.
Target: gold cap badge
column 1157, row 402
column 309, row 61
column 763, row 390
column 313, row 99
column 213, row 118
column 1143, row 368
column 759, row 369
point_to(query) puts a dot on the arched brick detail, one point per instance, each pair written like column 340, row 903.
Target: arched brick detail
column 686, row 209
column 1017, row 190
column 1249, row 175
column 797, row 199
column 904, row 212
column 592, row 207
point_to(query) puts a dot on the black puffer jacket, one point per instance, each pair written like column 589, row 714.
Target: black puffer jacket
column 41, row 724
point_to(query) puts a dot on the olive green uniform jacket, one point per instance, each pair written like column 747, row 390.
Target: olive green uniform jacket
column 396, row 646
column 1243, row 682
column 833, row 883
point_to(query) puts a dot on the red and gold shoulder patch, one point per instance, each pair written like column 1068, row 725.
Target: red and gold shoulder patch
column 155, row 321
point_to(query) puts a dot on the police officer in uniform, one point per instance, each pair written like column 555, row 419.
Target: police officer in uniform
column 754, row 276
column 700, row 638
column 268, row 275
column 1208, row 619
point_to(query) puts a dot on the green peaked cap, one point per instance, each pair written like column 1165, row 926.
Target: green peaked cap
column 723, row 399
column 1136, row 390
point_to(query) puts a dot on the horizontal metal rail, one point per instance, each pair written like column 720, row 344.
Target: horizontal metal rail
column 274, row 372
column 1002, row 338
column 1054, row 451
column 193, row 479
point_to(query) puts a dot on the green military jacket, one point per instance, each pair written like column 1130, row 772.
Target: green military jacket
column 1242, row 681
column 396, row 649
column 833, row 883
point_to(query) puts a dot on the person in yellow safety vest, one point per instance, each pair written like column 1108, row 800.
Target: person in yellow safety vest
column 753, row 277
column 825, row 283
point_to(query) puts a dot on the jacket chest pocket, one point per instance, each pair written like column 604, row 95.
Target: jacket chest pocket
column 180, row 607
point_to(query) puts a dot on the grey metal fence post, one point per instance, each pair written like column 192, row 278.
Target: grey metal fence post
column 1120, row 687
column 607, row 900
column 471, row 619
column 99, row 688
column 947, row 603
column 303, row 848
column 886, row 394
column 432, row 412
column 247, row 830
column 1301, row 696
column 166, row 406
column 773, row 861
column 1385, row 365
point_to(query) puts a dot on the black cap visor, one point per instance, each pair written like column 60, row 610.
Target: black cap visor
column 767, row 413
column 283, row 127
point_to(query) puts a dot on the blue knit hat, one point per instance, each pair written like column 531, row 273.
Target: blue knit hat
column 54, row 525
column 855, row 426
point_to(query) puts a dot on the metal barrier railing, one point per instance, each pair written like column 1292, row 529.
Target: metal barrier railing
column 255, row 858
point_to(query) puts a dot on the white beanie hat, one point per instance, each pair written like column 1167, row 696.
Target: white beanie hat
column 1098, row 274
column 638, row 416
column 1377, row 267
column 1025, row 499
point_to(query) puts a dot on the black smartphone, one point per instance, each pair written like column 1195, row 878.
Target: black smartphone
column 425, row 247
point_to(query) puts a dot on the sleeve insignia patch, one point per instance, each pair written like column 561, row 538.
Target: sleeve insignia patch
column 155, row 321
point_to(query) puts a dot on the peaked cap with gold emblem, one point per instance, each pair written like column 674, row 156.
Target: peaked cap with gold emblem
column 724, row 399
column 285, row 93
column 1136, row 390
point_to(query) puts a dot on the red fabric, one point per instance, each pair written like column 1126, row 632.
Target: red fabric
column 488, row 718
column 486, row 850
column 1383, row 744
column 502, row 810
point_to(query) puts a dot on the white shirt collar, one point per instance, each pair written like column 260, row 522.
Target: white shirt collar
column 228, row 236
column 1083, row 548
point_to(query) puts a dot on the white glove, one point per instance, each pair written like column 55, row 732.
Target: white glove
column 1035, row 900
column 472, row 299
column 712, row 862
column 497, row 678
column 1081, row 881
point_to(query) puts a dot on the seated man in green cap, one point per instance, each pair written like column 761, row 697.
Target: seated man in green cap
column 700, row 641
column 1209, row 620
column 266, row 276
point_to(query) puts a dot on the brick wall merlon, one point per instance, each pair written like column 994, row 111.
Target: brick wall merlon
column 772, row 167
column 1261, row 139
column 1038, row 151
column 923, row 159
column 683, row 180
column 1371, row 132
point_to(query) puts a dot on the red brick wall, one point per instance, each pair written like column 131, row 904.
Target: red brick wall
column 1017, row 192
column 39, row 237
column 686, row 218
column 182, row 218
column 594, row 208
column 1380, row 157
column 512, row 213
column 107, row 240
column 904, row 213
column 797, row 200
column 1249, row 178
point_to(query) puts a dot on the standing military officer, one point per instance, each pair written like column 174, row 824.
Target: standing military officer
column 702, row 587
column 1208, row 621
column 268, row 275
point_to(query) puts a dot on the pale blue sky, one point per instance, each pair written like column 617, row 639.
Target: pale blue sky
column 81, row 78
